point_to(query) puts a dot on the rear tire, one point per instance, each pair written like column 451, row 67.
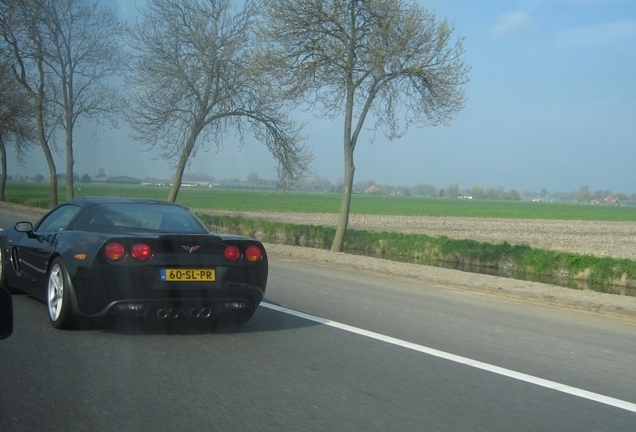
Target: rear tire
column 58, row 296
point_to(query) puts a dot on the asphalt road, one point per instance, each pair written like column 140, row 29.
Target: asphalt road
column 372, row 353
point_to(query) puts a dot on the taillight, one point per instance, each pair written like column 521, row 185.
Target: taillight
column 253, row 253
column 115, row 251
column 232, row 253
column 141, row 252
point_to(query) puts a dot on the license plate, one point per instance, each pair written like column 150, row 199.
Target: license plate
column 188, row 275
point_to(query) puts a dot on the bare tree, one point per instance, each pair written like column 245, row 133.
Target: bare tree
column 16, row 121
column 387, row 59
column 20, row 29
column 584, row 194
column 452, row 191
column 84, row 53
column 64, row 53
column 195, row 80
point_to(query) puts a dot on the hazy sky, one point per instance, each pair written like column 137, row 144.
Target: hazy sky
column 551, row 103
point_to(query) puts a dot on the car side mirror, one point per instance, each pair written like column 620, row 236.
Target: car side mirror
column 24, row 227
column 6, row 313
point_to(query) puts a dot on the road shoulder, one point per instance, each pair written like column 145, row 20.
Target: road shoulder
column 611, row 304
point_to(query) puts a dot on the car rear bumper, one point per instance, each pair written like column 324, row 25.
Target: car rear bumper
column 187, row 308
column 106, row 290
column 234, row 298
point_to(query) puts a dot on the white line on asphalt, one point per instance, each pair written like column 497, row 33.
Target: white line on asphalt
column 617, row 403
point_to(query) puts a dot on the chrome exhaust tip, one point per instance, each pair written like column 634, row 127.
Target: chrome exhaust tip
column 162, row 313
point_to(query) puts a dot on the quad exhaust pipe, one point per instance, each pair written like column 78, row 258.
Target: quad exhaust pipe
column 168, row 313
column 201, row 313
column 174, row 313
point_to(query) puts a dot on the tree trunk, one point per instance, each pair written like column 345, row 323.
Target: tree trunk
column 3, row 166
column 52, row 175
column 70, row 192
column 345, row 204
column 349, row 146
column 47, row 153
column 176, row 181
column 183, row 161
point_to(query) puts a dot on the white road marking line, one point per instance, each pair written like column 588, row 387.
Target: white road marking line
column 606, row 400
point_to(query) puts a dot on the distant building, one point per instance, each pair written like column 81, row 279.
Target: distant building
column 122, row 180
column 233, row 185
column 197, row 184
column 373, row 189
column 612, row 200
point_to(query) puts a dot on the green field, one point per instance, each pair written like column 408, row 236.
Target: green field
column 277, row 201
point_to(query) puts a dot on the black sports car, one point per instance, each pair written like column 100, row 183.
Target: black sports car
column 93, row 257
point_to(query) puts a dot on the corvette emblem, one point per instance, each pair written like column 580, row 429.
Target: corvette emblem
column 191, row 249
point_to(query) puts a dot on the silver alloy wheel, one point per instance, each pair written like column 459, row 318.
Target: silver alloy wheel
column 55, row 292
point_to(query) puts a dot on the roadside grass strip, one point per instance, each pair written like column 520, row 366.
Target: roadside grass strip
column 552, row 385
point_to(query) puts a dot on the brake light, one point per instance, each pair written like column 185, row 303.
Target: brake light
column 253, row 253
column 141, row 252
column 115, row 251
column 232, row 253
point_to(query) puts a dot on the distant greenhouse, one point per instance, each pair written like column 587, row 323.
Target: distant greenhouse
column 248, row 186
column 123, row 180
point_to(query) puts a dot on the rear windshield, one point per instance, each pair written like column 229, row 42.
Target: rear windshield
column 139, row 216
